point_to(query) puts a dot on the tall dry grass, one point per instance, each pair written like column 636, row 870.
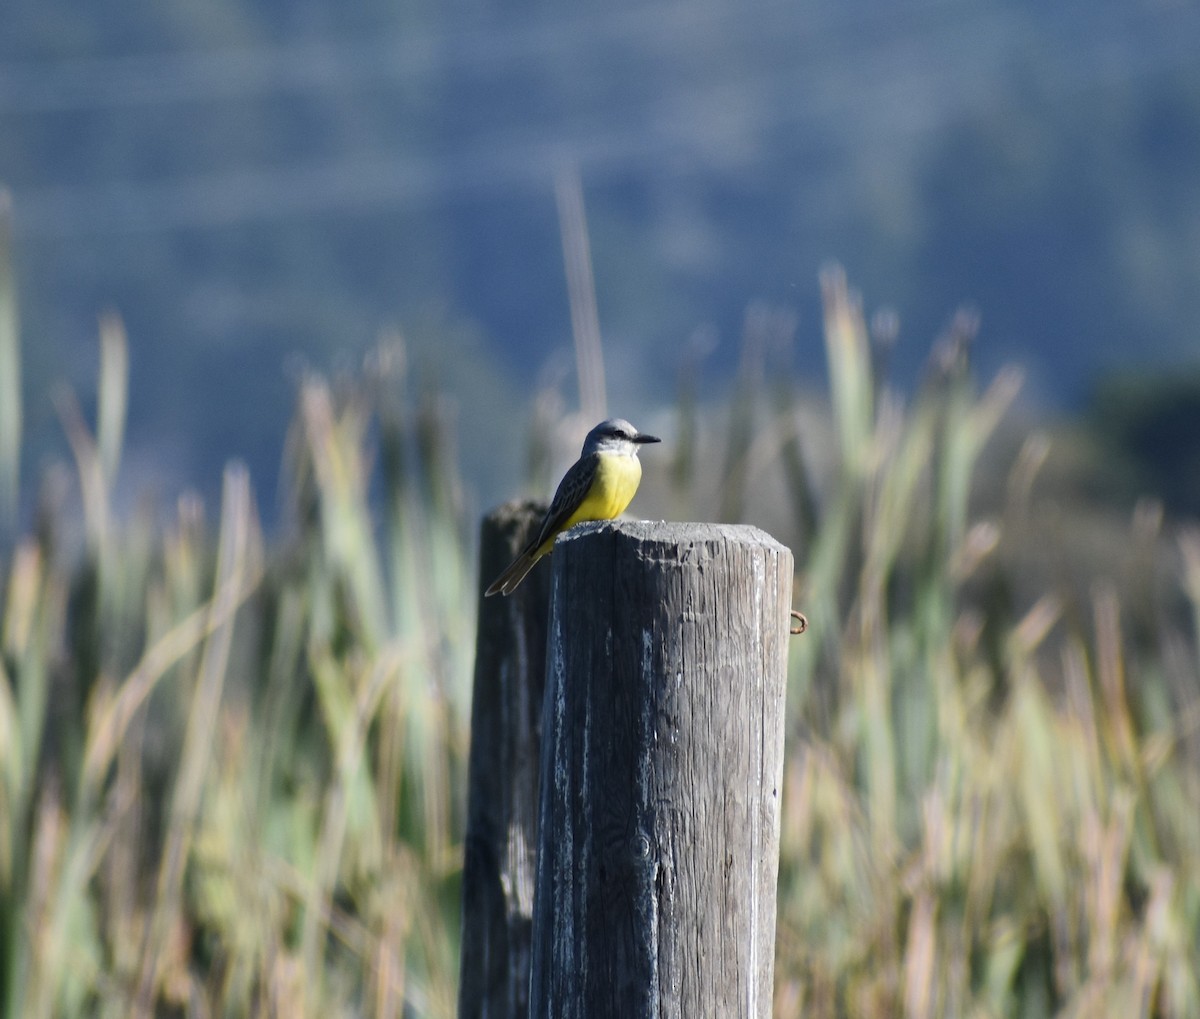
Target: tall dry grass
column 231, row 770
column 230, row 775
column 990, row 797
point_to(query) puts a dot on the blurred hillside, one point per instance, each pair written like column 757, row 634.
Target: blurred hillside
column 257, row 184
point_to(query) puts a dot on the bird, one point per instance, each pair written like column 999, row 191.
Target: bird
column 598, row 486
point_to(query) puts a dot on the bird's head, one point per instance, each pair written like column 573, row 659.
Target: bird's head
column 616, row 435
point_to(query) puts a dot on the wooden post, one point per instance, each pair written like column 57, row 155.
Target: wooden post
column 502, row 794
column 662, row 758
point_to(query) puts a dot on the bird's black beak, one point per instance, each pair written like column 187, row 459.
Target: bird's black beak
column 642, row 437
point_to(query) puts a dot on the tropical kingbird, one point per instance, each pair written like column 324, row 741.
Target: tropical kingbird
column 598, row 486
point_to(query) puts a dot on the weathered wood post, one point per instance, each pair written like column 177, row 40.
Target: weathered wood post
column 502, row 795
column 662, row 757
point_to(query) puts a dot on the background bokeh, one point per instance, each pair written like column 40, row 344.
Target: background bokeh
column 289, row 294
column 258, row 186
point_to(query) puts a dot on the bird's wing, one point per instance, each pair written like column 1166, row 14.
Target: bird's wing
column 572, row 490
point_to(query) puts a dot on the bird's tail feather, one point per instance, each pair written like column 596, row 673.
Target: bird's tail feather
column 507, row 582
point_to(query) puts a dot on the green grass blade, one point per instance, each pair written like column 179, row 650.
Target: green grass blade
column 10, row 372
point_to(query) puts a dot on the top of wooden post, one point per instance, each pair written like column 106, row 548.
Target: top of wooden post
column 670, row 532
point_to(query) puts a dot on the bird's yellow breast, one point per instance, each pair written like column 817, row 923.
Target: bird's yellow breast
column 612, row 488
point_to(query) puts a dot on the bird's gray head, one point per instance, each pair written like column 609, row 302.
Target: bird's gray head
column 616, row 435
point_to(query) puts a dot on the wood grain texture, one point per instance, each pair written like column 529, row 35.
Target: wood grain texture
column 662, row 761
column 502, row 797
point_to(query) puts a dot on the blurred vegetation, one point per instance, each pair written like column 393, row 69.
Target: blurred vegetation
column 1150, row 424
column 232, row 771
column 989, row 804
column 230, row 776
column 251, row 180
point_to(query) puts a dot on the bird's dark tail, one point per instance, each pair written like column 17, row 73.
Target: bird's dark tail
column 508, row 581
